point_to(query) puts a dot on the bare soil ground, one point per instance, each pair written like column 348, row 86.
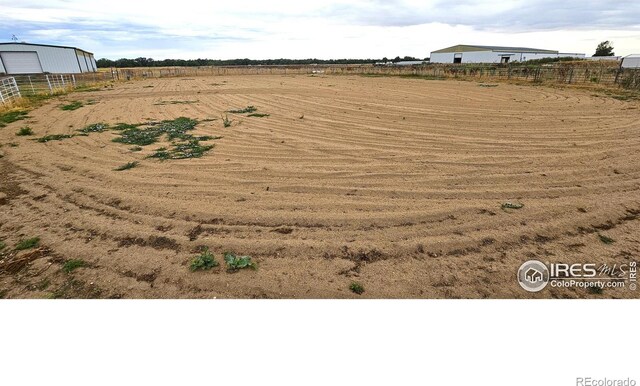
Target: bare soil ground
column 396, row 184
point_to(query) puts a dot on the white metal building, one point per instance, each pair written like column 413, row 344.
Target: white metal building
column 493, row 54
column 631, row 61
column 27, row 58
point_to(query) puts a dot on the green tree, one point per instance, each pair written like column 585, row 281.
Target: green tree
column 604, row 49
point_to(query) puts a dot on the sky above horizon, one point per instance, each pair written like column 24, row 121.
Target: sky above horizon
column 328, row 29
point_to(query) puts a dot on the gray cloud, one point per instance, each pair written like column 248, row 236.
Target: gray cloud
column 517, row 16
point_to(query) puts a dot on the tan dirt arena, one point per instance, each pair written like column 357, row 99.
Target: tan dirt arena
column 393, row 183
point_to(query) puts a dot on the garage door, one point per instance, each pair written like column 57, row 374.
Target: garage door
column 21, row 62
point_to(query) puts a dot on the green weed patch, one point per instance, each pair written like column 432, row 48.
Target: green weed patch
column 72, row 106
column 248, row 109
column 12, row 116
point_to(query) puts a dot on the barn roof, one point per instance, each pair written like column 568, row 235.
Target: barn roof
column 471, row 48
column 48, row 45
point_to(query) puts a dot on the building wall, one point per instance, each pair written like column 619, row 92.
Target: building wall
column 631, row 62
column 496, row 57
column 2, row 70
column 59, row 60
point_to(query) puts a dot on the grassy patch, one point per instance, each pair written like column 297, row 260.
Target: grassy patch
column 12, row 116
column 174, row 129
column 512, row 205
column 182, row 150
column 356, row 288
column 248, row 109
column 124, row 126
column 72, row 106
column 605, row 239
column 235, row 263
column 258, row 115
column 127, row 166
column 203, row 261
column 423, row 77
column 73, row 264
column 95, row 128
column 54, row 137
column 25, row 131
column 3, row 245
column 28, row 243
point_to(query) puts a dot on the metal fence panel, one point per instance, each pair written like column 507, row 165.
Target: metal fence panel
column 9, row 90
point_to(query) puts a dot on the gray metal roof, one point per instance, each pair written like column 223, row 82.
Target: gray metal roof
column 48, row 45
column 471, row 48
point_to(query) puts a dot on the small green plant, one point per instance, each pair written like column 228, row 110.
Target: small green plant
column 258, row 115
column 356, row 288
column 203, row 261
column 127, row 166
column 25, row 131
column 511, row 205
column 54, row 137
column 235, row 263
column 72, row 106
column 226, row 121
column 248, row 109
column 136, row 148
column 605, row 239
column 2, row 245
column 12, row 116
column 73, row 264
column 95, row 128
column 28, row 243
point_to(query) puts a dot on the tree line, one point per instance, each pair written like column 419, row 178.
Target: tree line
column 150, row 62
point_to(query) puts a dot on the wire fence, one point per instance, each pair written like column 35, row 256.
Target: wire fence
column 593, row 73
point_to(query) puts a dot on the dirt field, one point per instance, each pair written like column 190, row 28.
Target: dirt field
column 393, row 183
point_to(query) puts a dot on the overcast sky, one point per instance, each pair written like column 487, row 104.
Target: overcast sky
column 320, row 29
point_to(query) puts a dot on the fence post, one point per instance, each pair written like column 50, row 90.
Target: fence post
column 16, row 87
column 33, row 91
column 49, row 83
column 570, row 75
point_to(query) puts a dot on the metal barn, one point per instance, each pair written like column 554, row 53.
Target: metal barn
column 631, row 61
column 493, row 54
column 27, row 58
